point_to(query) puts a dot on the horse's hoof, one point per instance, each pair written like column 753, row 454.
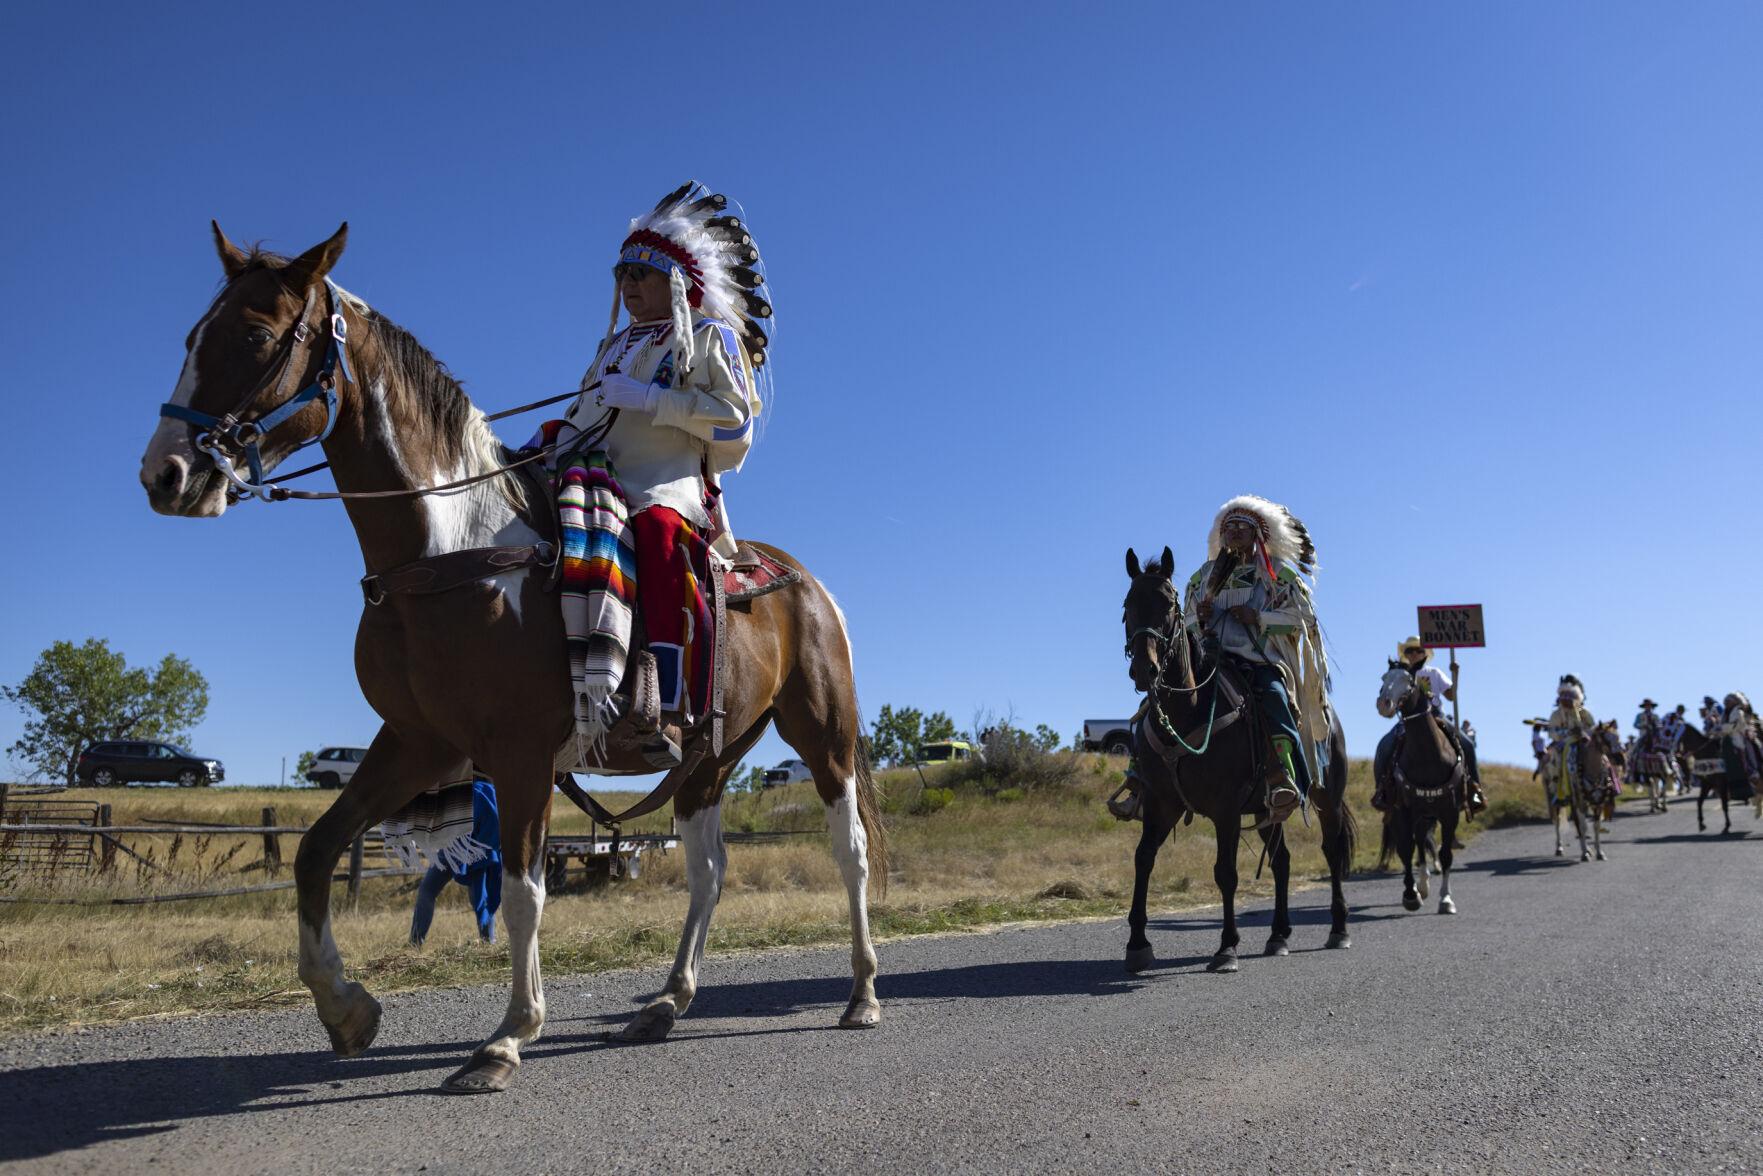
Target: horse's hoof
column 652, row 1024
column 1601, row 856
column 1447, row 907
column 359, row 1026
column 1339, row 939
column 1224, row 961
column 1422, row 885
column 1277, row 947
column 1559, row 852
column 1585, row 855
column 864, row 1012
column 484, row 1074
column 1138, row 959
column 1410, row 901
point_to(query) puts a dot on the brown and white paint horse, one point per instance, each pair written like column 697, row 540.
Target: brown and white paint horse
column 479, row 674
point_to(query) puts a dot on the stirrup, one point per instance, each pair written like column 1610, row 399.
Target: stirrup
column 1132, row 806
column 1282, row 802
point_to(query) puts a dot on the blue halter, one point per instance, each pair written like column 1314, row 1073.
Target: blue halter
column 221, row 433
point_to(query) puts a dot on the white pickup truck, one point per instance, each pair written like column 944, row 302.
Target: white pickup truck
column 1113, row 736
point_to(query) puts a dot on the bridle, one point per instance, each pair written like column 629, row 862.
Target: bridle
column 224, row 437
column 1175, row 628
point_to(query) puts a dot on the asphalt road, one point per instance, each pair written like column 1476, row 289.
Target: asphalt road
column 1573, row 1017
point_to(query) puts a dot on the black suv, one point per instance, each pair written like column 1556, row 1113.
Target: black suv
column 104, row 764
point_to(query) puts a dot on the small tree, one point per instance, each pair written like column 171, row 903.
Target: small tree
column 307, row 761
column 898, row 735
column 939, row 726
column 1046, row 738
column 78, row 694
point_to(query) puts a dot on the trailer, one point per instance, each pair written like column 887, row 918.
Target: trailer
column 601, row 856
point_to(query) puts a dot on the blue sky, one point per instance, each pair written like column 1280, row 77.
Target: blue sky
column 1474, row 289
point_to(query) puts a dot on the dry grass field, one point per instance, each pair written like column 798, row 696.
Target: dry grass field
column 984, row 857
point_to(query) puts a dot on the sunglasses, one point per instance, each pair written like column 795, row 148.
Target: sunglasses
column 632, row 271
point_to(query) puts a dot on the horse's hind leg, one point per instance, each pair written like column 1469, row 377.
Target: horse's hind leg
column 700, row 835
column 395, row 769
column 523, row 803
column 1279, row 856
column 1701, row 823
column 821, row 723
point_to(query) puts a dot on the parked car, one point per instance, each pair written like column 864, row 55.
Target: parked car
column 104, row 765
column 945, row 751
column 1113, row 736
column 788, row 772
column 335, row 766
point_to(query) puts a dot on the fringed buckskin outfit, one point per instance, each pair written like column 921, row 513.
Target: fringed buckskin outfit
column 667, row 407
column 1281, row 651
column 1570, row 726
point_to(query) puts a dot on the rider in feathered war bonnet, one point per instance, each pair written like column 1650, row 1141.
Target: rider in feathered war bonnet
column 667, row 406
column 1250, row 600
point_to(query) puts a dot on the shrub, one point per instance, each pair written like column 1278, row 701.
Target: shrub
column 1008, row 795
column 934, row 799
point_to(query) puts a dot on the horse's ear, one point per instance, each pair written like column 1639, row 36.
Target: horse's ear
column 232, row 258
column 1168, row 564
column 1132, row 563
column 313, row 265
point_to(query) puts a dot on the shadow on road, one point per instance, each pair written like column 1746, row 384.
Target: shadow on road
column 1515, row 866
column 54, row 1109
column 1711, row 837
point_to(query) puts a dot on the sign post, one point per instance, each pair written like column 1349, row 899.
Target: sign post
column 1452, row 627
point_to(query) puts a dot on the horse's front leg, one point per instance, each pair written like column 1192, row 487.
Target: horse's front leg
column 1726, row 809
column 1555, row 819
column 1139, row 955
column 1224, row 873
column 523, row 802
column 394, row 770
column 1447, row 854
column 1405, row 845
column 1701, row 824
column 1279, row 855
column 1338, row 848
column 700, row 835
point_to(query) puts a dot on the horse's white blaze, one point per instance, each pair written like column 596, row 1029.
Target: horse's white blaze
column 172, row 437
column 523, row 903
column 850, row 843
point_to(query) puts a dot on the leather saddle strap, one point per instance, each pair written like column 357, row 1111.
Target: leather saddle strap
column 663, row 793
column 454, row 569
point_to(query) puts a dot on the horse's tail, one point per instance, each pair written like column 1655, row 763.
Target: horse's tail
column 869, row 812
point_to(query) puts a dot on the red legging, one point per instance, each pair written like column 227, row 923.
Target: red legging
column 671, row 556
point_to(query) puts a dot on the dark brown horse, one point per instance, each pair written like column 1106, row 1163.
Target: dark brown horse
column 478, row 673
column 1426, row 787
column 1712, row 780
column 1196, row 752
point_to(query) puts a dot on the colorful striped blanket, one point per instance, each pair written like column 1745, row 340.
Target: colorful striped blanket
column 599, row 584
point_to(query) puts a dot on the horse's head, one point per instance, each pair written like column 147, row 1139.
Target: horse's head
column 261, row 342
column 1397, row 689
column 1150, row 614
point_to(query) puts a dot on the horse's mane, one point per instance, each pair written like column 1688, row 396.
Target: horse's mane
column 428, row 387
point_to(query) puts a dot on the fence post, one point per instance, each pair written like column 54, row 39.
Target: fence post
column 4, row 789
column 272, row 846
column 106, row 844
column 355, row 851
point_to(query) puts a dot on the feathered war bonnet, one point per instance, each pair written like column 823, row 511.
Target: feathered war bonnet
column 1280, row 537
column 1571, row 689
column 712, row 266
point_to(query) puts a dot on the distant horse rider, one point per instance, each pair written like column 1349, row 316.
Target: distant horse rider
column 1571, row 727
column 667, row 407
column 1671, row 729
column 1438, row 687
column 1253, row 607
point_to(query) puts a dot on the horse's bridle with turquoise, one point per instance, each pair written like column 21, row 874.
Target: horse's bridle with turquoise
column 223, row 437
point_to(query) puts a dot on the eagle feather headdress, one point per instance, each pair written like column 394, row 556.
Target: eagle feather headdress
column 712, row 265
column 1283, row 537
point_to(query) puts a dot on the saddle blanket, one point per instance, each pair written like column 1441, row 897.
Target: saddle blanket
column 753, row 573
column 430, row 824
